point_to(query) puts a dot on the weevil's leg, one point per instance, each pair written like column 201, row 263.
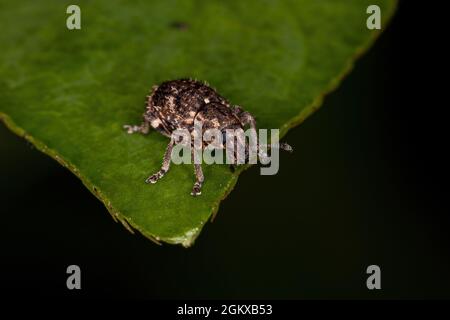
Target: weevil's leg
column 144, row 128
column 232, row 168
column 165, row 165
column 199, row 178
column 247, row 118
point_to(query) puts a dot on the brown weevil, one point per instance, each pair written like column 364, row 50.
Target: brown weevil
column 177, row 104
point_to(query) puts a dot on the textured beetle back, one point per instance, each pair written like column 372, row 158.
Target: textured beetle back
column 175, row 104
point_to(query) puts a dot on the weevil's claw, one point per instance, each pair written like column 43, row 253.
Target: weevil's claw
column 128, row 128
column 153, row 179
column 196, row 190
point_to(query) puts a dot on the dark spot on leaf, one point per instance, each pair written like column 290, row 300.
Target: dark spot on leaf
column 179, row 25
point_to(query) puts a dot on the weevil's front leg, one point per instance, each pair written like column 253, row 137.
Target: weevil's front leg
column 247, row 118
column 165, row 165
column 144, row 128
column 199, row 178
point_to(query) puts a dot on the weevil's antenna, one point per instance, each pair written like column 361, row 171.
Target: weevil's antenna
column 283, row 146
column 263, row 154
column 286, row 147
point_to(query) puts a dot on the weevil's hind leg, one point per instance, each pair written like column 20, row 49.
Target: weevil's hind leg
column 144, row 128
column 199, row 178
column 165, row 165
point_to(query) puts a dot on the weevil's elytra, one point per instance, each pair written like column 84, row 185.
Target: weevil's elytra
column 176, row 105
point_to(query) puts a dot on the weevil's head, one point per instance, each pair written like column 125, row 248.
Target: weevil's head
column 234, row 126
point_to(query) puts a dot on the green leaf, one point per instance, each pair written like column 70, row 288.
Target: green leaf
column 70, row 92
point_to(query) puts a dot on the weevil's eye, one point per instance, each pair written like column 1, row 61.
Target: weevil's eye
column 238, row 110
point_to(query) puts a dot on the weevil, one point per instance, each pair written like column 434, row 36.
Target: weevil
column 177, row 104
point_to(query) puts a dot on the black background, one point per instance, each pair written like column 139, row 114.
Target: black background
column 367, row 184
